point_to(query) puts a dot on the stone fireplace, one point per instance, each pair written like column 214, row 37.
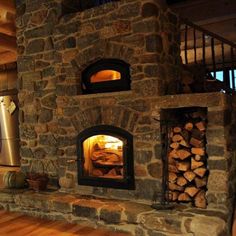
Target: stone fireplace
column 92, row 88
column 95, row 74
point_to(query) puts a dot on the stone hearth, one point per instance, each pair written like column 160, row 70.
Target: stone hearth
column 54, row 49
column 122, row 216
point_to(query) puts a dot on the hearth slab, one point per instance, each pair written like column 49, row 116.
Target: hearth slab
column 118, row 215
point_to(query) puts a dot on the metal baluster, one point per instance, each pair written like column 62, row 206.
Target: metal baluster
column 213, row 56
column 194, row 45
column 203, row 49
column 223, row 55
column 186, row 44
column 232, row 68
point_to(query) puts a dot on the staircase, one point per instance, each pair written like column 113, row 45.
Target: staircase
column 211, row 53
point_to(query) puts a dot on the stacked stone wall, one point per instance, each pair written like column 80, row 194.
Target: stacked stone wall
column 53, row 51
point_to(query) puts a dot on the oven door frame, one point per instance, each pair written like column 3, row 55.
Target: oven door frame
column 120, row 66
column 128, row 177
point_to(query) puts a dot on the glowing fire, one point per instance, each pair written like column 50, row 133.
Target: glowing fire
column 105, row 75
column 112, row 142
column 103, row 156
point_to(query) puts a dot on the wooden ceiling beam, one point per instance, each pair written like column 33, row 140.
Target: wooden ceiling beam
column 7, row 57
column 8, row 43
column 8, row 5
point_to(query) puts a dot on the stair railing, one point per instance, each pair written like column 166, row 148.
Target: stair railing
column 203, row 50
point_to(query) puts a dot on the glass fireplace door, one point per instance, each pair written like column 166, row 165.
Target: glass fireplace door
column 105, row 157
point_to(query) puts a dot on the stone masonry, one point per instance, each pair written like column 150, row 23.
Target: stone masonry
column 53, row 50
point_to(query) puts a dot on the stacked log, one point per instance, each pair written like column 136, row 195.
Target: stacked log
column 187, row 162
column 106, row 163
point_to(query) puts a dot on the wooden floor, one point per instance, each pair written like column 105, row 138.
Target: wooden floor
column 16, row 224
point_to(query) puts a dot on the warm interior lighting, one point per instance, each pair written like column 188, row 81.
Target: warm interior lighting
column 103, row 156
column 105, row 75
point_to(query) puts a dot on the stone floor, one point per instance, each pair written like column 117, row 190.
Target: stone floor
column 116, row 215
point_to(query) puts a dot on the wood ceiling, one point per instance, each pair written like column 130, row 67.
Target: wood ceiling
column 8, row 48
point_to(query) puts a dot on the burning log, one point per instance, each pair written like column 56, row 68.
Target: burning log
column 111, row 173
column 97, row 172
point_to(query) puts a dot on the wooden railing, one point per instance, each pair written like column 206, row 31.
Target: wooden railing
column 200, row 46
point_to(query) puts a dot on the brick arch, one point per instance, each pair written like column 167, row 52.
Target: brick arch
column 103, row 49
column 117, row 116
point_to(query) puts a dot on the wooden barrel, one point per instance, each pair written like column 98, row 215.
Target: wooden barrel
column 13, row 179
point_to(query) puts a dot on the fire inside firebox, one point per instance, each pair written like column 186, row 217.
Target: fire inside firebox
column 105, row 75
column 103, row 157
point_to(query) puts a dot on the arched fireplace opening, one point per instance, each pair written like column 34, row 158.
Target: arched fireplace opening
column 106, row 75
column 105, row 157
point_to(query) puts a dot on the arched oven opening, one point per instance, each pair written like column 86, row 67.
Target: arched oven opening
column 106, row 75
column 105, row 157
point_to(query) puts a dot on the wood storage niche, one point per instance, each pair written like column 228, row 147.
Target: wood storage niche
column 185, row 156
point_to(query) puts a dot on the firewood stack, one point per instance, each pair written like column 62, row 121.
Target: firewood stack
column 187, row 161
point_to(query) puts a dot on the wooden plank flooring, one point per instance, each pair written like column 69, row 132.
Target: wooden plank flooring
column 16, row 224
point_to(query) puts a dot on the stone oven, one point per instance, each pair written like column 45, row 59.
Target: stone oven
column 93, row 86
column 106, row 75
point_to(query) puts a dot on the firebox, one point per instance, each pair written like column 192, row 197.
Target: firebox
column 105, row 157
column 106, row 75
